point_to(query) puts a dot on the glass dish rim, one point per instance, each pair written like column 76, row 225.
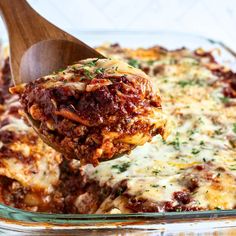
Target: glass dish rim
column 10, row 213
column 153, row 32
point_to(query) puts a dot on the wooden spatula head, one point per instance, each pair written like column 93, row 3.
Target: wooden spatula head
column 48, row 56
column 37, row 47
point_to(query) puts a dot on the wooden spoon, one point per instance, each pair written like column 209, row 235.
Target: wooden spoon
column 37, row 47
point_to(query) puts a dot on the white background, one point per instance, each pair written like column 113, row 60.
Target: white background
column 211, row 18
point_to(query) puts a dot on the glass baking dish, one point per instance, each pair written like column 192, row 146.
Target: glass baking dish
column 172, row 223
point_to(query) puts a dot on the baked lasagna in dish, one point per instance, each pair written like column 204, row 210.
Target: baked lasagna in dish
column 95, row 110
column 193, row 169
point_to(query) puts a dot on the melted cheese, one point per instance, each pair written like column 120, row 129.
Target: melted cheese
column 37, row 167
column 203, row 125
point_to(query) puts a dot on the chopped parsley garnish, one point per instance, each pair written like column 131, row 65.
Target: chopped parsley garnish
column 99, row 70
column 155, row 172
column 218, row 131
column 184, row 83
column 154, row 185
column 88, row 74
column 200, row 120
column 202, row 142
column 133, row 63
column 191, row 131
column 204, row 159
column 234, row 128
column 224, row 99
column 217, row 208
column 195, row 151
column 92, row 63
column 122, row 167
column 176, row 142
column 194, row 63
column 198, row 202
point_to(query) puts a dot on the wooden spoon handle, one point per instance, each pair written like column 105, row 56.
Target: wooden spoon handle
column 25, row 25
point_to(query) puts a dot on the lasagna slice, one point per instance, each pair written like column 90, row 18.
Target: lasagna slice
column 95, row 110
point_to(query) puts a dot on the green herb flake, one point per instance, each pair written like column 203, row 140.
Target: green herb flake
column 224, row 99
column 195, row 151
column 218, row 208
column 92, row 63
column 218, row 131
column 191, row 131
column 133, row 63
column 184, row 83
column 234, row 128
column 122, row 167
column 176, row 142
column 198, row 202
column 88, row 74
column 194, row 63
column 99, row 70
column 155, row 172
column 154, row 185
column 202, row 143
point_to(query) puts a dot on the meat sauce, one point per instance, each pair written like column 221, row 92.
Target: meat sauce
column 93, row 121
